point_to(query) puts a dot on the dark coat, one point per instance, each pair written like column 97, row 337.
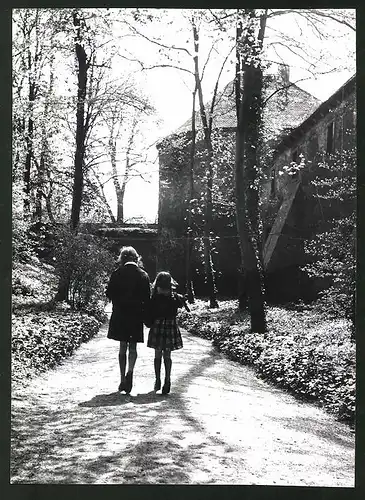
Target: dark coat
column 129, row 291
column 164, row 306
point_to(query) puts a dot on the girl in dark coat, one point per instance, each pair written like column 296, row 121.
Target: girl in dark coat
column 129, row 291
column 164, row 335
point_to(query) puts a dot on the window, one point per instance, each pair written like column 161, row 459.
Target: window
column 329, row 148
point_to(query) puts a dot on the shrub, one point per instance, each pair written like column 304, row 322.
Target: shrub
column 41, row 340
column 83, row 264
column 332, row 249
column 23, row 246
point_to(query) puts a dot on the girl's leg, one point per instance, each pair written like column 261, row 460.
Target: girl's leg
column 132, row 358
column 167, row 362
column 122, row 363
column 157, row 363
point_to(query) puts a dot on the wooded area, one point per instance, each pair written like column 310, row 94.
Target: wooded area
column 79, row 120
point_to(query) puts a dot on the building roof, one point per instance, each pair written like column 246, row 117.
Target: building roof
column 284, row 109
column 326, row 107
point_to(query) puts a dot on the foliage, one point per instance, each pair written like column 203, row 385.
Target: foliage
column 303, row 352
column 37, row 110
column 81, row 260
column 170, row 249
column 333, row 247
column 28, row 241
column 41, row 335
column 42, row 339
column 33, row 282
column 45, row 86
column 23, row 249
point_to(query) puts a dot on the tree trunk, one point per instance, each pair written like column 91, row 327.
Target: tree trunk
column 80, row 125
column 208, row 209
column 113, row 160
column 43, row 157
column 18, row 135
column 246, row 167
column 107, row 206
column 208, row 261
column 29, row 149
column 120, row 202
column 122, row 190
column 39, row 192
column 251, row 279
column 189, row 239
column 49, row 209
column 64, row 282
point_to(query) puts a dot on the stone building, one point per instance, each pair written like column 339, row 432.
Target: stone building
column 286, row 107
column 291, row 205
column 292, row 120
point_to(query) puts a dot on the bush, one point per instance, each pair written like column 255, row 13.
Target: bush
column 83, row 265
column 332, row 249
column 23, row 246
column 41, row 340
column 33, row 283
column 43, row 332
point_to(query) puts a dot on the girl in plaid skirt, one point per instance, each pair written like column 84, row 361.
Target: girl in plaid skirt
column 164, row 335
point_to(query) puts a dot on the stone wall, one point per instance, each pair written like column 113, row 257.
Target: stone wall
column 313, row 145
column 143, row 239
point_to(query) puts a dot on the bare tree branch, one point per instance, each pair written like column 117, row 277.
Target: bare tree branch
column 167, row 66
column 207, row 60
column 216, row 89
column 328, row 15
column 160, row 44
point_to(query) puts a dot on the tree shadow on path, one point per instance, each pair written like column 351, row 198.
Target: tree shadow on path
column 117, row 398
column 318, row 428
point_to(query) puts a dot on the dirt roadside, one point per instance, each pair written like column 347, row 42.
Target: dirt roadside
column 220, row 425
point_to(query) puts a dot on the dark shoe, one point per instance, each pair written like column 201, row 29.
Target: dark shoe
column 128, row 382
column 166, row 388
column 121, row 387
column 157, row 384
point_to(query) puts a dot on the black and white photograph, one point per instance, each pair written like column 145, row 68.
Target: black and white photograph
column 183, row 282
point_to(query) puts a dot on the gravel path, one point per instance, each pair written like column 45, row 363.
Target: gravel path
column 220, row 425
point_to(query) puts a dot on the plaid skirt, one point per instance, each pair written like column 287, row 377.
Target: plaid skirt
column 165, row 334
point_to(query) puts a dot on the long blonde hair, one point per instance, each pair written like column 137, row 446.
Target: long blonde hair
column 127, row 254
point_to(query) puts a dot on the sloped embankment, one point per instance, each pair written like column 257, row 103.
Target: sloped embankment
column 41, row 336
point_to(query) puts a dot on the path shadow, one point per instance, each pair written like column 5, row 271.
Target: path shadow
column 112, row 399
column 149, row 397
column 320, row 429
column 117, row 398
column 81, row 435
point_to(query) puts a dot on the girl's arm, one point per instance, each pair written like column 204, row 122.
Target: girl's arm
column 110, row 288
column 182, row 302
